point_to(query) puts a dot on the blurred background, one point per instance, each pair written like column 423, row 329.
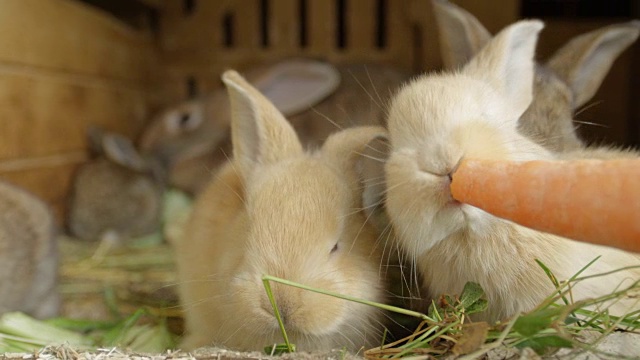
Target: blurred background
column 67, row 64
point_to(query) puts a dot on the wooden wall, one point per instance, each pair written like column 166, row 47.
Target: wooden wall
column 198, row 43
column 64, row 66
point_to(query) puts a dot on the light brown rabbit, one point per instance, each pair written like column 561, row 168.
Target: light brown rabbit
column 439, row 119
column 28, row 268
column 564, row 83
column 280, row 210
column 118, row 193
column 194, row 136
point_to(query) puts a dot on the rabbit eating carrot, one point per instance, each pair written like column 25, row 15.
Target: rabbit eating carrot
column 437, row 120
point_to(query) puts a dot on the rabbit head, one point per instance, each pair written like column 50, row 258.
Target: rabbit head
column 120, row 191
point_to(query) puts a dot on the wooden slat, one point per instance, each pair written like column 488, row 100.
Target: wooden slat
column 321, row 22
column 493, row 15
column 247, row 23
column 201, row 29
column 67, row 36
column 51, row 184
column 400, row 36
column 284, row 28
column 42, row 115
column 361, row 25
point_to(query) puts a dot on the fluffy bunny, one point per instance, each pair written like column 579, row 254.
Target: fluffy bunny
column 118, row 193
column 194, row 136
column 28, row 269
column 434, row 122
column 562, row 84
column 280, row 210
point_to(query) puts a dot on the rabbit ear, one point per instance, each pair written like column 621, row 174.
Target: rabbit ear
column 371, row 169
column 296, row 85
column 347, row 147
column 259, row 132
column 507, row 63
column 120, row 150
column 585, row 60
column 461, row 34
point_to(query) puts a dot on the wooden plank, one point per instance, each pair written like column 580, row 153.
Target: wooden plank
column 322, row 25
column 426, row 45
column 246, row 24
column 401, row 39
column 68, row 36
column 495, row 14
column 284, row 24
column 43, row 115
column 180, row 31
column 361, row 25
column 51, row 184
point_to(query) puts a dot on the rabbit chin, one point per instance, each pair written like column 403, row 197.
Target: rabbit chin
column 313, row 321
column 422, row 209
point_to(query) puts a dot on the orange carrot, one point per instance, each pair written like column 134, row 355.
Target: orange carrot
column 596, row 201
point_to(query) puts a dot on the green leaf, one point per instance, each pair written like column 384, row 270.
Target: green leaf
column 479, row 306
column 471, row 293
column 279, row 349
column 545, row 343
column 532, row 323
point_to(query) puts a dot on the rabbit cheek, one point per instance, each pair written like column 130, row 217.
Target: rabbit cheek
column 420, row 204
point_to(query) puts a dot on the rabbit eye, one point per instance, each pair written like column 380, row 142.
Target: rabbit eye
column 334, row 248
column 184, row 119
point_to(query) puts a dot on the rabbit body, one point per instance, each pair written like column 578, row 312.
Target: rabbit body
column 437, row 120
column 279, row 210
column 28, row 269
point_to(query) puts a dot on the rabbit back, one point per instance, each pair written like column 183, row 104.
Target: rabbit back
column 28, row 270
column 110, row 197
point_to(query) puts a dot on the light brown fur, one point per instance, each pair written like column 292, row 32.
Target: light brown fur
column 278, row 210
column 439, row 119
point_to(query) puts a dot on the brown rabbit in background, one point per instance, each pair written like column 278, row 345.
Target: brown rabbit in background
column 118, row 193
column 29, row 264
column 281, row 210
column 564, row 83
column 434, row 122
column 195, row 134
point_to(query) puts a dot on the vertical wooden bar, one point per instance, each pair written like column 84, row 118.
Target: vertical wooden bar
column 426, row 46
column 284, row 28
column 322, row 25
column 361, row 25
column 399, row 34
column 495, row 16
column 247, row 23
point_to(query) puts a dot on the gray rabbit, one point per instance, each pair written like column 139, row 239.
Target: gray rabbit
column 29, row 261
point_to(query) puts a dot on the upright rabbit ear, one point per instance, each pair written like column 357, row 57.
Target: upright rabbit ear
column 259, row 132
column 461, row 34
column 507, row 63
column 371, row 168
column 120, row 150
column 296, row 85
column 585, row 60
column 355, row 151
